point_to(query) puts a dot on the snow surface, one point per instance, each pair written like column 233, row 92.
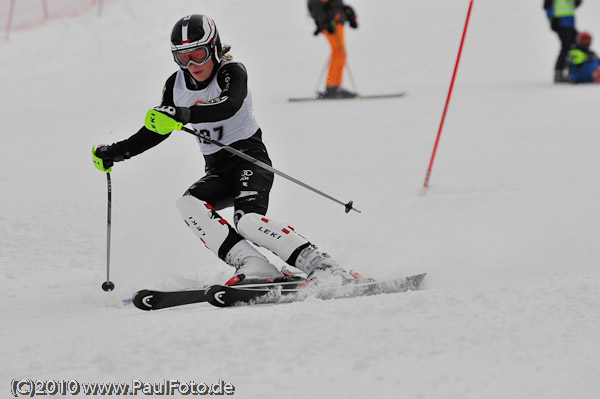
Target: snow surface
column 508, row 232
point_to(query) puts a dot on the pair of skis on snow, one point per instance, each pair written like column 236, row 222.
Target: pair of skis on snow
column 280, row 292
column 357, row 97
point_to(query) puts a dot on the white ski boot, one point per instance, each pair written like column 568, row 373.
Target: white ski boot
column 322, row 269
column 251, row 266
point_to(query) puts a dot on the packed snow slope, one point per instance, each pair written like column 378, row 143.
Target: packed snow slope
column 508, row 232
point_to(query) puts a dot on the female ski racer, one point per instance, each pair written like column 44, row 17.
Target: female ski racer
column 210, row 92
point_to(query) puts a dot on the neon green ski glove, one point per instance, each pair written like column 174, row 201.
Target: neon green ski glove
column 161, row 120
column 101, row 164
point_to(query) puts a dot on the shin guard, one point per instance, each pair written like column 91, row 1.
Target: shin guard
column 280, row 239
column 207, row 225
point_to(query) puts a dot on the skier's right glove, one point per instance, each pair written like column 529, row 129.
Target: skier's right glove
column 104, row 156
column 554, row 24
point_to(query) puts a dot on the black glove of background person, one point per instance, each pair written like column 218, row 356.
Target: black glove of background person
column 554, row 24
column 351, row 16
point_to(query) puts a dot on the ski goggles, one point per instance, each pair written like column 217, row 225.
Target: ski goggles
column 197, row 56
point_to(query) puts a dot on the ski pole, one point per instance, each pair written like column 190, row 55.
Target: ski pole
column 351, row 77
column 437, row 140
column 108, row 285
column 322, row 75
column 205, row 136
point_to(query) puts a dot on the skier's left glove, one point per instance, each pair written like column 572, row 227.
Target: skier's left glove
column 164, row 119
column 351, row 16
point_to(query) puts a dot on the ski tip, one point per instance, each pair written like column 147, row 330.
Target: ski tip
column 417, row 280
column 143, row 300
column 215, row 295
column 303, row 99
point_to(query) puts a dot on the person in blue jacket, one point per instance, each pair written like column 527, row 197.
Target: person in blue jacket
column 561, row 15
column 584, row 63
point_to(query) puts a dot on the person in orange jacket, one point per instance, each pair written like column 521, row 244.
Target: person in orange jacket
column 330, row 16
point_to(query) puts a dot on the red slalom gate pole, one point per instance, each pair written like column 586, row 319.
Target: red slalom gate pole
column 439, row 134
column 11, row 12
column 45, row 8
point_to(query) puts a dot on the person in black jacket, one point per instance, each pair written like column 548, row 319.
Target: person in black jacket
column 330, row 17
column 561, row 15
column 210, row 91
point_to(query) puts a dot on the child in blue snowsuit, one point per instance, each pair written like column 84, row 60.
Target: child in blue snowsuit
column 584, row 63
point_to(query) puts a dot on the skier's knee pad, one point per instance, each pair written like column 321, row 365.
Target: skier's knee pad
column 276, row 237
column 206, row 224
column 251, row 202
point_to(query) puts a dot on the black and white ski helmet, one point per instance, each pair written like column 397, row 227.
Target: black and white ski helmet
column 192, row 33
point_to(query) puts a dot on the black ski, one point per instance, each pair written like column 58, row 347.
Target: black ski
column 225, row 296
column 358, row 97
column 153, row 300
